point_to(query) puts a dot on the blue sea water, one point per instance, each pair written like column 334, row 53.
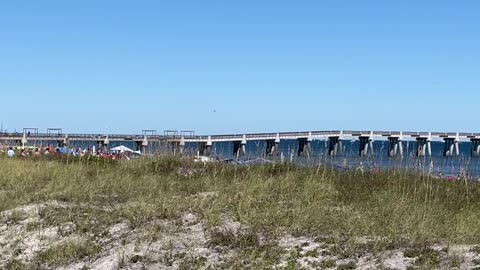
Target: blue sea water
column 437, row 164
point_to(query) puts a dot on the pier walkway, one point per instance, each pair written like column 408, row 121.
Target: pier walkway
column 205, row 142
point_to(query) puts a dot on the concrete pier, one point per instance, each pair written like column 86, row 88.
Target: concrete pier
column 450, row 147
column 395, row 147
column 177, row 147
column 144, row 145
column 366, row 146
column 475, row 152
column 66, row 141
column 305, row 146
column 205, row 148
column 171, row 140
column 102, row 146
column 424, row 146
column 181, row 145
column 174, row 147
column 240, row 147
column 138, row 146
column 24, row 139
column 106, row 142
column 272, row 148
column 335, row 146
column 237, row 149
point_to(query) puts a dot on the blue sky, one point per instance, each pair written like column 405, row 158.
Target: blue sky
column 239, row 66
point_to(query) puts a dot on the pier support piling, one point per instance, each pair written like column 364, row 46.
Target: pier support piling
column 24, row 139
column 421, row 147
column 138, row 146
column 272, row 148
column 240, row 147
column 103, row 147
column 205, row 148
column 201, row 148
column 451, row 146
column 457, row 145
column 304, row 147
column 475, row 151
column 335, row 146
column 66, row 142
column 448, row 147
column 366, row 146
column 424, row 147
column 181, row 145
column 144, row 145
column 176, row 148
column 395, row 147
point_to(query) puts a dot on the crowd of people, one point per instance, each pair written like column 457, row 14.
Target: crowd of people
column 12, row 152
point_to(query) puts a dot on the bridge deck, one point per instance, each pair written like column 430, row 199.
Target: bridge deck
column 234, row 137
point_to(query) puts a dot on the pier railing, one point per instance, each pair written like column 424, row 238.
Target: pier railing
column 191, row 137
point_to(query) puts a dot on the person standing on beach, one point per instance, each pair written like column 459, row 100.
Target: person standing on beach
column 10, row 153
column 37, row 152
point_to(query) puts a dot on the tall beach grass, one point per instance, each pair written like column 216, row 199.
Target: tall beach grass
column 397, row 206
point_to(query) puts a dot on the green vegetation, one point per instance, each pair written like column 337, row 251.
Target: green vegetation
column 400, row 206
column 456, row 261
column 428, row 258
column 232, row 240
column 347, row 266
column 67, row 252
column 328, row 264
column 397, row 209
column 15, row 265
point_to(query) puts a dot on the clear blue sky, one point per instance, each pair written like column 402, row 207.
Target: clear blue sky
column 240, row 66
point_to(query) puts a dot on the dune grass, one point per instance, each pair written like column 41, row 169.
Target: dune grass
column 67, row 252
column 395, row 209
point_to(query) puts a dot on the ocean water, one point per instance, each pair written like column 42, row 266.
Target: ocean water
column 437, row 164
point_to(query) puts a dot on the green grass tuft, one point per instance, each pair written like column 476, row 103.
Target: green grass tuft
column 347, row 266
column 68, row 252
column 14, row 264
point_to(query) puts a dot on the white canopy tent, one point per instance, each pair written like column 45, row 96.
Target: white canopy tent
column 123, row 149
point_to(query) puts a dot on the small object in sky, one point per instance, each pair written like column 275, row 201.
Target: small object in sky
column 214, row 110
